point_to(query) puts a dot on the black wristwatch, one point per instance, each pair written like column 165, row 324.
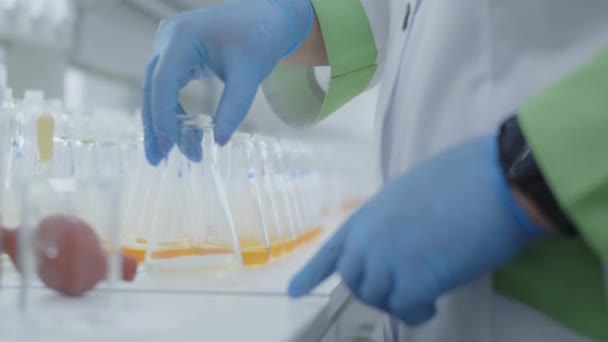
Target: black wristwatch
column 521, row 170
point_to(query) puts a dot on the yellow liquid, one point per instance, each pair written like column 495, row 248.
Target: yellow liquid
column 45, row 126
column 256, row 256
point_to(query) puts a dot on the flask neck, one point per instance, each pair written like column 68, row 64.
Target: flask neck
column 202, row 122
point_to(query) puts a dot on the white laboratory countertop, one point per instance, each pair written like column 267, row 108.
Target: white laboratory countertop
column 249, row 306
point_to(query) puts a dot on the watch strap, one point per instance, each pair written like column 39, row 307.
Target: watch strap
column 522, row 171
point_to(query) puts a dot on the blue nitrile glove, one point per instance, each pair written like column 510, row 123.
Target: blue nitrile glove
column 447, row 222
column 240, row 41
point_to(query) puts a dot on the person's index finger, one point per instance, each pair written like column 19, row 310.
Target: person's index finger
column 322, row 265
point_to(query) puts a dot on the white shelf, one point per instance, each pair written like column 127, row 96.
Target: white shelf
column 250, row 306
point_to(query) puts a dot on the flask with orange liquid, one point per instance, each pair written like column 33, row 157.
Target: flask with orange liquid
column 245, row 195
column 191, row 227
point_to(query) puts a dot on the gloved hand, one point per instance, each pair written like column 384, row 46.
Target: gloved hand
column 440, row 226
column 240, row 42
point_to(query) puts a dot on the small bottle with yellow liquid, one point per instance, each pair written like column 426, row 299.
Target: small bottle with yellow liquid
column 45, row 128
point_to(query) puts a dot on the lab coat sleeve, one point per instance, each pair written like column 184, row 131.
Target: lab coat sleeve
column 567, row 128
column 355, row 34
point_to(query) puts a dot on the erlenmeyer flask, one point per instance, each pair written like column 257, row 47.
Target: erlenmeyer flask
column 306, row 191
column 141, row 195
column 285, row 210
column 287, row 174
column 245, row 200
column 192, row 228
column 268, row 194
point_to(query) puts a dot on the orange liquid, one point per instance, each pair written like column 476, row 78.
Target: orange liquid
column 301, row 240
column 352, row 204
column 315, row 233
column 172, row 253
column 255, row 253
column 311, row 235
column 276, row 250
column 289, row 246
column 139, row 253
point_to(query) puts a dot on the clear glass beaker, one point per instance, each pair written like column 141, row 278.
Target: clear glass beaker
column 69, row 241
column 246, row 202
column 192, row 227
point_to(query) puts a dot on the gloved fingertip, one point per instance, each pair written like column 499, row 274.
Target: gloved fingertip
column 152, row 157
column 298, row 287
column 196, row 154
column 193, row 152
column 319, row 268
column 151, row 150
column 164, row 145
column 222, row 138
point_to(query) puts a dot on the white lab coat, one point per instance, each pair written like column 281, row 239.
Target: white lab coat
column 456, row 71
